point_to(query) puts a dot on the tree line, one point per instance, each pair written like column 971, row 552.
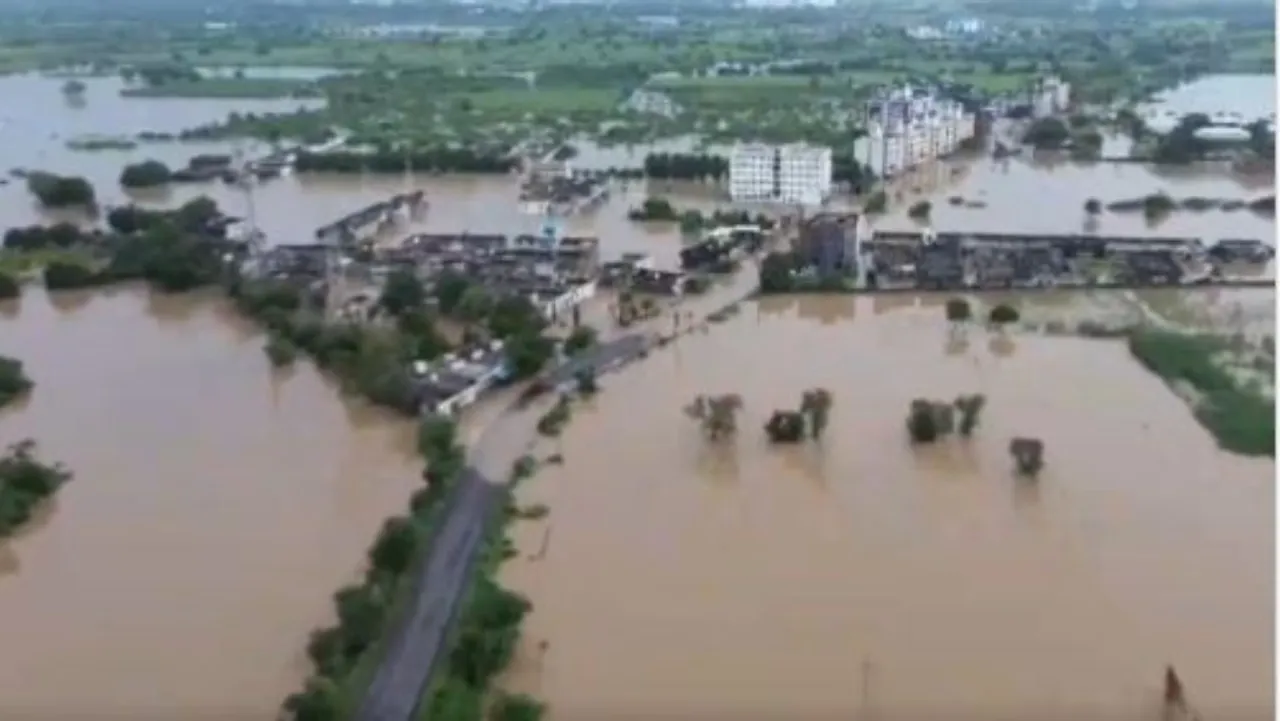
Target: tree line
column 437, row 160
column 685, row 166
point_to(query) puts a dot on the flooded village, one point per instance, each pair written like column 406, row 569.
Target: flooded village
column 669, row 575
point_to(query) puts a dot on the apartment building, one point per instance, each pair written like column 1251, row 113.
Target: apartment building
column 796, row 174
column 1050, row 96
column 907, row 127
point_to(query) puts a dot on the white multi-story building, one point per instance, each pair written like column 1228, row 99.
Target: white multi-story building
column 797, row 174
column 906, row 128
column 1050, row 96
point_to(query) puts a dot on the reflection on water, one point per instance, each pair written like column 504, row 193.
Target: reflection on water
column 962, row 588
column 216, row 506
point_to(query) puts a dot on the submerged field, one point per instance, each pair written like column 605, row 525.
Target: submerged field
column 860, row 574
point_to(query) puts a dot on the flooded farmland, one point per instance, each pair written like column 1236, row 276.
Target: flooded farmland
column 216, row 506
column 862, row 576
column 217, row 503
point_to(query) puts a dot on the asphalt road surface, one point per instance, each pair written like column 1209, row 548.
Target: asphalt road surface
column 417, row 645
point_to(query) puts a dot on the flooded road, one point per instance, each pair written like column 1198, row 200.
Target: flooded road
column 861, row 576
column 217, row 505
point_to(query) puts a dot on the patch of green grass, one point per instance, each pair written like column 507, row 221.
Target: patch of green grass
column 25, row 262
column 257, row 88
column 1242, row 420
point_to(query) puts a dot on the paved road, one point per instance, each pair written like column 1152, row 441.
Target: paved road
column 417, row 645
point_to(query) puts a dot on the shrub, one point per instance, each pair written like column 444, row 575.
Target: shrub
column 1004, row 313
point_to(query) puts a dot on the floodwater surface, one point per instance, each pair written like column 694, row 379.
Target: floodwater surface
column 860, row 577
column 217, row 504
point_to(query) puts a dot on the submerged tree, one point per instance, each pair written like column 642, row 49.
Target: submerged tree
column 958, row 310
column 815, row 404
column 1028, row 455
column 786, row 427
column 719, row 414
column 927, row 420
column 970, row 408
column 586, row 381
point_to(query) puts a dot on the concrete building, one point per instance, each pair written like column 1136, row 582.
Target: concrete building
column 1050, row 96
column 907, row 127
column 796, row 174
column 831, row 243
column 650, row 102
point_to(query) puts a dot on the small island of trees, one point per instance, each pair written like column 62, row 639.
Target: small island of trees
column 25, row 482
column 57, row 191
column 14, row 383
column 147, row 174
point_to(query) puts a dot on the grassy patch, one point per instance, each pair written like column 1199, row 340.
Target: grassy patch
column 22, row 262
column 253, row 88
column 1241, row 420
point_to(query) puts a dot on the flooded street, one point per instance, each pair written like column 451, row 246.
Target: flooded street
column 864, row 576
column 217, row 504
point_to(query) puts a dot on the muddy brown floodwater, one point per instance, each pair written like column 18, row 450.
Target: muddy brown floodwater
column 216, row 506
column 860, row 576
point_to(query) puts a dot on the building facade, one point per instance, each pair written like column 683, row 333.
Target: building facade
column 795, row 174
column 908, row 127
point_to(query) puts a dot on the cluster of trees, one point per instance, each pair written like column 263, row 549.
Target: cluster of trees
column 61, row 191
column 158, row 74
column 13, row 380
column 718, row 415
column 660, row 209
column 809, row 420
column 685, row 166
column 172, row 250
column 373, row 360
column 654, row 209
column 847, row 169
column 513, row 319
column 929, row 421
column 25, row 481
column 147, row 174
column 48, row 237
column 436, row 160
column 1049, row 133
column 175, row 250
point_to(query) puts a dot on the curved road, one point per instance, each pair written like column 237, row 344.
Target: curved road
column 417, row 644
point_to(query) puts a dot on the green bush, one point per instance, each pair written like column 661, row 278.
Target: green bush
column 13, row 380
column 25, row 482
